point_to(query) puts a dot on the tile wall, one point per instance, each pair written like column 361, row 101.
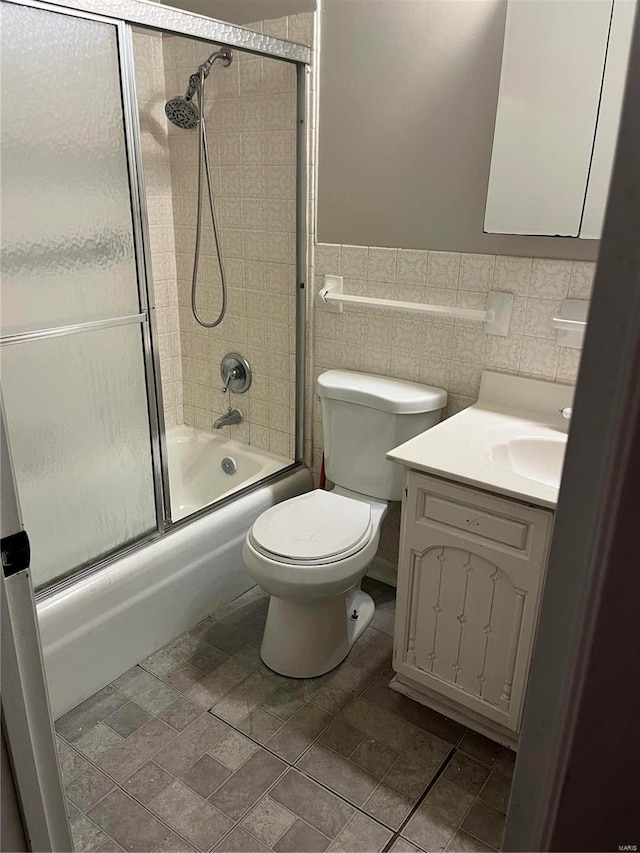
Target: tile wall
column 448, row 354
column 252, row 132
column 251, row 106
column 149, row 64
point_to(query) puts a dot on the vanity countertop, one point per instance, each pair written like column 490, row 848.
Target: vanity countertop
column 511, row 442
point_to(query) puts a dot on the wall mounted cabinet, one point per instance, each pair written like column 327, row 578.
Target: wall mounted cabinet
column 561, row 87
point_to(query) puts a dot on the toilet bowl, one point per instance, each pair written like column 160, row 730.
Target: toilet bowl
column 311, row 552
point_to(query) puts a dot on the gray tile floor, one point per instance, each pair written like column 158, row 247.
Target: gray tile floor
column 201, row 747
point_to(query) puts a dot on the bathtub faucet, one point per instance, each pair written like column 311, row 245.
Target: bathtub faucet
column 233, row 416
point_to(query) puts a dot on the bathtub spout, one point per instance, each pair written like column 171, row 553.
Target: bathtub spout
column 233, row 416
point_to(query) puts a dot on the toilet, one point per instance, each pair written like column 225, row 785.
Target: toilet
column 311, row 552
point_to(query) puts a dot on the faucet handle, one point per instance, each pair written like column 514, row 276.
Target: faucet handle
column 565, row 412
column 233, row 373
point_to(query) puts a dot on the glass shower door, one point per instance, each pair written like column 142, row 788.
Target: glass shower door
column 73, row 325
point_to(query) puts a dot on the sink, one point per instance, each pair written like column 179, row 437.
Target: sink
column 535, row 457
column 511, row 442
column 531, row 450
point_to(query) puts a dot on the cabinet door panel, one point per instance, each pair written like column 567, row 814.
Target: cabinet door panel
column 485, row 626
column 615, row 73
column 552, row 66
column 467, row 606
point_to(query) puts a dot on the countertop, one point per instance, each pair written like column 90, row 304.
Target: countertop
column 459, row 448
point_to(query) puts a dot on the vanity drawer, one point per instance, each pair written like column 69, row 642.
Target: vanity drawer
column 480, row 516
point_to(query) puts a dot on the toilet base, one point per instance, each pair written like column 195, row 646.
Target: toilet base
column 304, row 639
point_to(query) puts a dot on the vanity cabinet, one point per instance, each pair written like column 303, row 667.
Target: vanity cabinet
column 470, row 577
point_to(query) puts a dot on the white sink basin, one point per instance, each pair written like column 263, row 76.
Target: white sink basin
column 535, row 457
column 511, row 442
column 531, row 450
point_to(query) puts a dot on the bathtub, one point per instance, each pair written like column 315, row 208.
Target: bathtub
column 99, row 627
column 197, row 476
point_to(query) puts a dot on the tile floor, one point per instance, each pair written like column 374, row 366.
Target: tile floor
column 201, row 747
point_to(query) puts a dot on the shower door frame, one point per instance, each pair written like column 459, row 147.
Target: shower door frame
column 124, row 15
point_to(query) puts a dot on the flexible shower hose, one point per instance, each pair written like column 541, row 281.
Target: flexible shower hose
column 203, row 158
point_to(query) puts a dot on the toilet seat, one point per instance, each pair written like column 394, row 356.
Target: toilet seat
column 313, row 529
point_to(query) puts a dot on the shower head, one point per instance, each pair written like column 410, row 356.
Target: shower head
column 181, row 111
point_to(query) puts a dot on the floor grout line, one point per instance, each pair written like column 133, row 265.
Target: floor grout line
column 237, row 823
column 340, row 797
column 120, row 788
column 445, row 763
column 448, row 759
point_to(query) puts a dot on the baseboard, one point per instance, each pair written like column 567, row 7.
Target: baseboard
column 383, row 570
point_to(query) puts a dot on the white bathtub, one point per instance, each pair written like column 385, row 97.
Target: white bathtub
column 105, row 623
column 196, row 476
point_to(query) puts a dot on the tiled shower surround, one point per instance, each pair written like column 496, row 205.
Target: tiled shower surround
column 436, row 351
column 251, row 112
column 149, row 64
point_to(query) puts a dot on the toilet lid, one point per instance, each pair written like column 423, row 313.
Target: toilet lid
column 312, row 527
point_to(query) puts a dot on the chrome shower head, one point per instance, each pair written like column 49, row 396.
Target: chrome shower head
column 182, row 112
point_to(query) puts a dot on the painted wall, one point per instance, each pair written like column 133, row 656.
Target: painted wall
column 244, row 12
column 421, row 190
column 408, row 96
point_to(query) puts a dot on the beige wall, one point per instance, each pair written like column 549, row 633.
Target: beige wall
column 408, row 95
column 245, row 11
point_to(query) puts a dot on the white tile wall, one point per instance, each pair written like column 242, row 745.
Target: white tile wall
column 251, row 108
column 449, row 354
column 150, row 84
column 252, row 120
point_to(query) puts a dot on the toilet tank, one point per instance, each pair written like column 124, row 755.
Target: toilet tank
column 363, row 417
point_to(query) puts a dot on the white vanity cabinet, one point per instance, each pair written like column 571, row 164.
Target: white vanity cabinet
column 470, row 577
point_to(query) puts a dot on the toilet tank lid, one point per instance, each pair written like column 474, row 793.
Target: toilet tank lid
column 380, row 392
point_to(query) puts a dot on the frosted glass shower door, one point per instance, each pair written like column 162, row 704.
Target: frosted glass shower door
column 74, row 370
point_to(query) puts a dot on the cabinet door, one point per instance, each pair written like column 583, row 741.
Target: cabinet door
column 469, row 583
column 552, row 66
column 615, row 74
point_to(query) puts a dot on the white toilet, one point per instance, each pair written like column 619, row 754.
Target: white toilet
column 311, row 552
